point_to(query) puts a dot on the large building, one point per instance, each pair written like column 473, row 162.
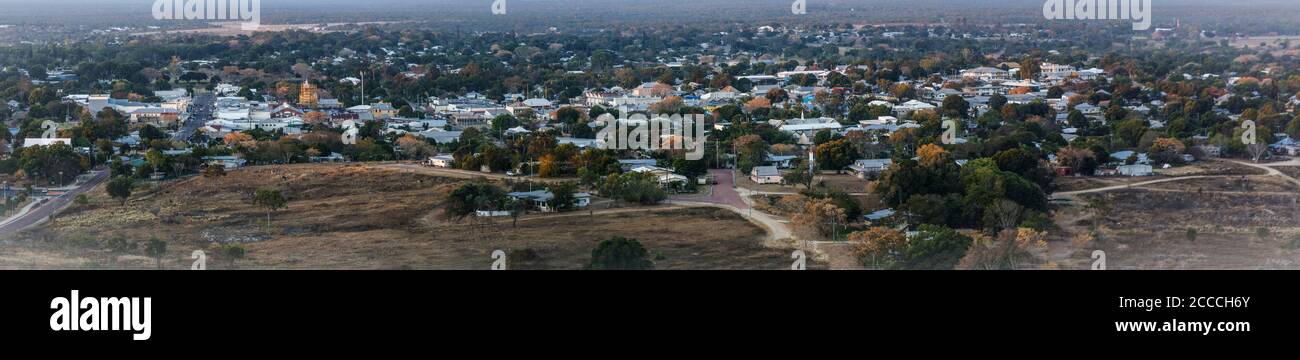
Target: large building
column 307, row 95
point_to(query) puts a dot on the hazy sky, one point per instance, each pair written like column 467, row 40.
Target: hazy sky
column 273, row 11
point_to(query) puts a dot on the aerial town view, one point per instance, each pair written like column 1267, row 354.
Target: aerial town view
column 664, row 135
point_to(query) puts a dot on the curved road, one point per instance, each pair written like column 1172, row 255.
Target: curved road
column 42, row 212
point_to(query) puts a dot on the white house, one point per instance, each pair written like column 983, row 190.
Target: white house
column 902, row 110
column 1134, row 170
column 28, row 142
column 542, row 198
column 666, row 177
column 765, row 175
column 1054, row 71
column 867, row 168
column 442, row 161
column 986, row 74
column 810, row 126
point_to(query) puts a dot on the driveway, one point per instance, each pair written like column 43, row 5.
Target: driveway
column 723, row 193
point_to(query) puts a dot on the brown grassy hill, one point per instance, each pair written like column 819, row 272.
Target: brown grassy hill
column 368, row 217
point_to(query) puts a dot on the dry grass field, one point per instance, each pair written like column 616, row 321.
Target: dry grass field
column 369, row 217
column 1148, row 229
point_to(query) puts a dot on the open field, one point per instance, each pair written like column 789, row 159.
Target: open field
column 1228, row 184
column 1293, row 171
column 1147, row 229
column 1202, row 168
column 370, row 217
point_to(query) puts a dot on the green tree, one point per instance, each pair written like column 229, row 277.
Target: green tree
column 620, row 253
column 232, row 252
column 751, row 151
column 471, row 197
column 271, row 199
column 936, row 248
column 120, row 188
column 836, row 155
column 214, row 171
column 563, row 196
column 956, row 106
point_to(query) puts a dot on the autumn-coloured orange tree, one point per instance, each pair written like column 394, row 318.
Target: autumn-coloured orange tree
column 668, row 105
column 878, row 247
column 315, row 117
column 548, row 166
column 758, row 103
column 820, row 218
column 239, row 139
column 932, row 155
column 1167, row 150
column 416, row 148
column 1011, row 249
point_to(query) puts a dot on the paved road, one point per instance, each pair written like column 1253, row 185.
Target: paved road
column 725, row 195
column 51, row 206
column 724, row 192
column 200, row 112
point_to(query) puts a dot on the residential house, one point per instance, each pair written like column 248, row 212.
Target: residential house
column 986, row 74
column 629, row 164
column 870, row 168
column 765, row 175
column 442, row 161
column 903, row 110
column 781, row 161
column 1134, row 170
column 155, row 116
column 541, row 199
column 666, row 178
column 29, row 142
column 229, row 162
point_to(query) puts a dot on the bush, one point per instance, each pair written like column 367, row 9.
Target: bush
column 620, row 253
column 1293, row 244
column 643, row 192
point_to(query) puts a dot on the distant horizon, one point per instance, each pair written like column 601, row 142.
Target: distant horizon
column 531, row 15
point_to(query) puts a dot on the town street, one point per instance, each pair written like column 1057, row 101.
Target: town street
column 200, row 112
